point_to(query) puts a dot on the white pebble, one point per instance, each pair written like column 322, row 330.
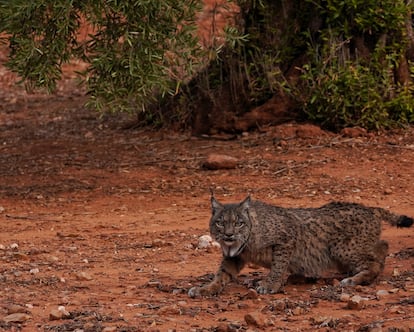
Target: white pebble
column 63, row 310
column 382, row 293
column 14, row 246
column 215, row 244
column 204, row 241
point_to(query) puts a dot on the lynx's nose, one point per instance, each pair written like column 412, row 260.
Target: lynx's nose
column 228, row 237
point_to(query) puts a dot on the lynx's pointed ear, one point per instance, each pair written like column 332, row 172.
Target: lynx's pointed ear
column 246, row 203
column 215, row 204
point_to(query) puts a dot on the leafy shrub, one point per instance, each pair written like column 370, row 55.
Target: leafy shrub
column 139, row 51
column 341, row 94
column 345, row 84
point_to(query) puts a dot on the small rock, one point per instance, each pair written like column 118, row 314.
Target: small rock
column 388, row 191
column 336, row 282
column 344, row 297
column 188, row 246
column 88, row 134
column 382, row 293
column 109, row 329
column 255, row 318
column 14, row 246
column 395, row 272
column 362, row 289
column 353, row 132
column 72, row 248
column 298, row 311
column 204, row 241
column 215, row 244
column 158, row 243
column 154, row 283
column 170, row 310
column 63, row 310
column 234, row 327
column 222, row 327
column 83, row 276
column 323, row 321
column 251, row 294
column 177, row 291
column 356, row 302
column 242, row 305
column 309, row 131
column 20, row 255
column 55, row 315
column 396, row 310
column 2, row 209
column 2, row 247
column 52, row 258
column 88, row 326
column 18, row 317
column 279, row 305
column 34, row 271
column 220, row 161
column 15, row 308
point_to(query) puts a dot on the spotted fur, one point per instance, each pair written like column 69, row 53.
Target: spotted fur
column 298, row 241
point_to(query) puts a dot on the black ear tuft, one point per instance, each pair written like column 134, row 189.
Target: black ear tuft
column 404, row 221
column 246, row 203
column 215, row 205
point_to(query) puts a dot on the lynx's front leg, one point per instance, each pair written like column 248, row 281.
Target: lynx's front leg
column 279, row 265
column 229, row 269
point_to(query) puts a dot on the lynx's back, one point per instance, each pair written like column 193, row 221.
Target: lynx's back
column 319, row 238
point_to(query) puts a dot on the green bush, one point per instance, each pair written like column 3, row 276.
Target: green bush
column 137, row 53
column 345, row 84
column 341, row 94
column 143, row 52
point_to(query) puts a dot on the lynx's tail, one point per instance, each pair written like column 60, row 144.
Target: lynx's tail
column 394, row 219
column 404, row 221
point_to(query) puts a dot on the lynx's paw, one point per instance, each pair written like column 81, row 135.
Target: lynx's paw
column 347, row 282
column 268, row 288
column 194, row 292
column 206, row 290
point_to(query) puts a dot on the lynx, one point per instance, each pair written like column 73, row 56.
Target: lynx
column 298, row 241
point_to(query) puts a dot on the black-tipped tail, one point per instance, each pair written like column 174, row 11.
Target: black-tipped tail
column 405, row 221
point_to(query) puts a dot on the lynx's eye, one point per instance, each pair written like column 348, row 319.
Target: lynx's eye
column 220, row 222
column 239, row 222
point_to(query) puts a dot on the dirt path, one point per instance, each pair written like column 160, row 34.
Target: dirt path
column 105, row 222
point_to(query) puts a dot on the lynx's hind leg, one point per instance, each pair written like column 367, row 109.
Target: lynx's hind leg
column 367, row 267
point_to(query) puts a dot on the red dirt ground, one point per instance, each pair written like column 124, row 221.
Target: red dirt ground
column 105, row 221
column 80, row 194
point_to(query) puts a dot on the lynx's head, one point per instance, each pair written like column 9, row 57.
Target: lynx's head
column 230, row 226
